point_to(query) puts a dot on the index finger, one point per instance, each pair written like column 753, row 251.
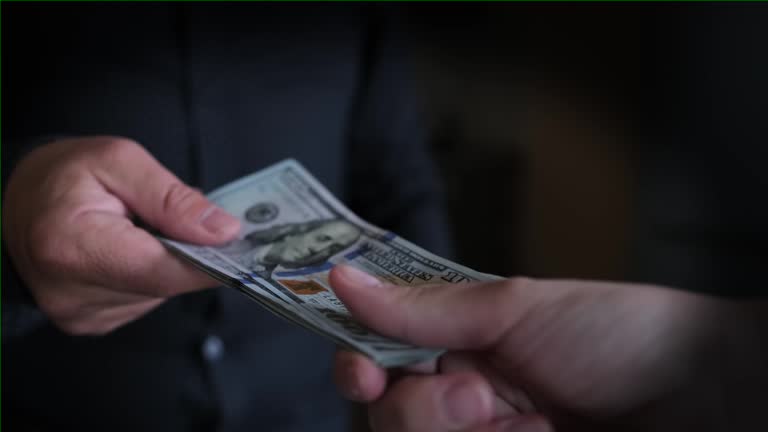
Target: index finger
column 358, row 378
column 361, row 380
column 116, row 254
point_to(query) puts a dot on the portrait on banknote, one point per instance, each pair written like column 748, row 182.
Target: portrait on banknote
column 292, row 246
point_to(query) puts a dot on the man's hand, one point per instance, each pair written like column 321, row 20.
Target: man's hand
column 67, row 224
column 530, row 355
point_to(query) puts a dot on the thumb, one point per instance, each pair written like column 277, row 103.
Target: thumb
column 461, row 316
column 161, row 199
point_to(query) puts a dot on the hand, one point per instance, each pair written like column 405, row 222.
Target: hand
column 67, row 224
column 530, row 355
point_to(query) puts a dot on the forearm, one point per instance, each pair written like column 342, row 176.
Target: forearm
column 718, row 362
column 727, row 391
column 740, row 365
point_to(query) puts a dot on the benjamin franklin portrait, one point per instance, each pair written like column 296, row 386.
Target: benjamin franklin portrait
column 292, row 246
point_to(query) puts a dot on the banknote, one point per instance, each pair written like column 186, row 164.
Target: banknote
column 294, row 231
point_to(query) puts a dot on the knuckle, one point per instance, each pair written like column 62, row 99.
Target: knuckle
column 119, row 146
column 117, row 152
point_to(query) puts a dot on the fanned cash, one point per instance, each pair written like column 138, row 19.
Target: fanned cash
column 293, row 232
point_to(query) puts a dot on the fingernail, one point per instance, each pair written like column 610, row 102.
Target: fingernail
column 358, row 277
column 217, row 221
column 464, row 405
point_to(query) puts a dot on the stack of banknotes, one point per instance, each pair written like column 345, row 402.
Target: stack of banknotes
column 293, row 233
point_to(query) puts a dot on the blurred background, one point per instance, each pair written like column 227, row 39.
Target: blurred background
column 610, row 141
column 619, row 141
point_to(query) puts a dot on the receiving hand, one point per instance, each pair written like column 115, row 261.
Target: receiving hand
column 530, row 355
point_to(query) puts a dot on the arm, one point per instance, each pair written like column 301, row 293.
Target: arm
column 560, row 354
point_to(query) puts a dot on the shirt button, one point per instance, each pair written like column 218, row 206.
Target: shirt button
column 213, row 348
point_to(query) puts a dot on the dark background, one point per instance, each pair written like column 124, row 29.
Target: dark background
column 607, row 141
column 612, row 141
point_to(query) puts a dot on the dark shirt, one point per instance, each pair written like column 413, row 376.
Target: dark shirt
column 214, row 92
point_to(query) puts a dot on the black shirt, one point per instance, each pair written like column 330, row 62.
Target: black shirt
column 215, row 92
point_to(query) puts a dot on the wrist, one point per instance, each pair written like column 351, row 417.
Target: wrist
column 722, row 370
column 744, row 352
column 736, row 364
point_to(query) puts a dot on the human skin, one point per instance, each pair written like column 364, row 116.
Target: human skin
column 68, row 226
column 542, row 355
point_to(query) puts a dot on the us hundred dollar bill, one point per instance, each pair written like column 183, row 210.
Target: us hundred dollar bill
column 294, row 231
